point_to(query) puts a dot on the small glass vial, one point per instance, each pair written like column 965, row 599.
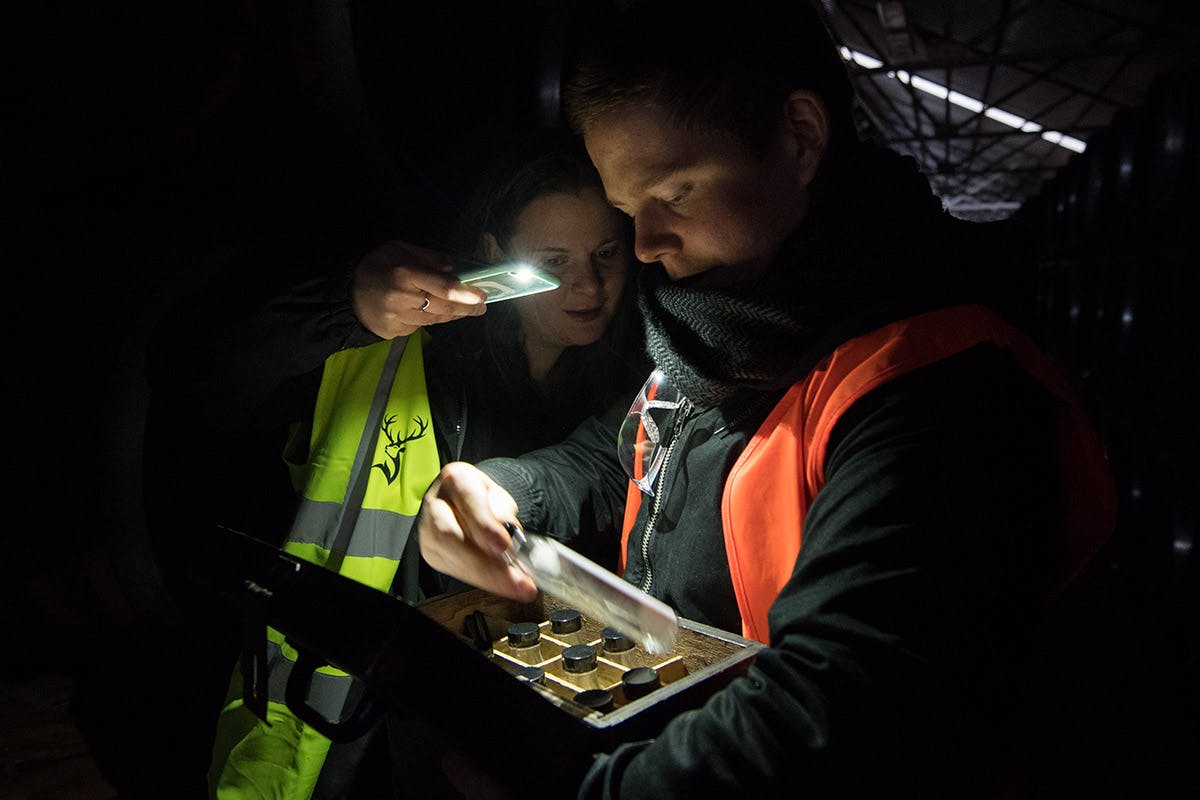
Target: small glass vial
column 562, row 628
column 639, row 682
column 579, row 664
column 566, row 625
column 525, row 642
column 564, row 621
column 619, row 649
column 615, row 642
column 596, row 699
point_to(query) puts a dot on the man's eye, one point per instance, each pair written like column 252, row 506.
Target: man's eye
column 553, row 263
column 680, row 196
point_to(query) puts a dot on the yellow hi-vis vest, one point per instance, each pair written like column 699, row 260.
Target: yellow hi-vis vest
column 371, row 455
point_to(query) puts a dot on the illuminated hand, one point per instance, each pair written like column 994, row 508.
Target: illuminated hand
column 399, row 287
column 461, row 532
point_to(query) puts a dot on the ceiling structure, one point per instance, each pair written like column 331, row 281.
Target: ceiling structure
column 991, row 97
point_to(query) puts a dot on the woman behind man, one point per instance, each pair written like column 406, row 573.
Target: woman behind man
column 540, row 364
column 234, row 377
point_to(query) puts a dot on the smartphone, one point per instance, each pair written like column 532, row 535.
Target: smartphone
column 508, row 280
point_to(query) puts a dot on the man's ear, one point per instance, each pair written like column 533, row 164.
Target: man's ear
column 807, row 122
column 492, row 248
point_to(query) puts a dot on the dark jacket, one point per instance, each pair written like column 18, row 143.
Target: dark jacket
column 900, row 647
column 913, row 599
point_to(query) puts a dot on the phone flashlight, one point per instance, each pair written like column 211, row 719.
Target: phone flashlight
column 509, row 280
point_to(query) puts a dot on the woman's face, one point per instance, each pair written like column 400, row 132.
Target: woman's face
column 578, row 238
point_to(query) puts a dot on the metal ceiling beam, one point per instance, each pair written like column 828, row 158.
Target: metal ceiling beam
column 1108, row 82
column 987, row 135
column 948, row 28
column 1006, row 17
column 947, row 169
column 1111, row 78
column 1156, row 25
column 1001, row 28
column 1041, row 114
column 1002, row 205
column 999, row 171
column 1095, row 10
column 1034, row 56
column 1046, row 76
column 915, row 128
column 977, row 166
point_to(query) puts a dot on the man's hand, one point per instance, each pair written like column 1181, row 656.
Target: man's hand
column 399, row 287
column 461, row 532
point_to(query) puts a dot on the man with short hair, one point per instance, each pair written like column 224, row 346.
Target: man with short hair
column 871, row 470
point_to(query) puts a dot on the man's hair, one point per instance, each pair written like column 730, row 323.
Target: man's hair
column 721, row 66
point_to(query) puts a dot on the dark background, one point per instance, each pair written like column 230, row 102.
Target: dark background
column 146, row 143
column 143, row 144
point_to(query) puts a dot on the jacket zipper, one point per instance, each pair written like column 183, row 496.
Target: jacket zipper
column 648, row 570
column 460, row 425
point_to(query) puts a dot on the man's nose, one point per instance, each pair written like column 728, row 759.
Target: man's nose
column 653, row 236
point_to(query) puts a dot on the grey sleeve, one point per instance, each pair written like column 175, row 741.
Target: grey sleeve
column 574, row 490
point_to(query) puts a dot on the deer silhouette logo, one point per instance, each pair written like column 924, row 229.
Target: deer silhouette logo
column 390, row 466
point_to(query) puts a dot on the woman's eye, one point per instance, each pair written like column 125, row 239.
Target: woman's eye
column 554, row 263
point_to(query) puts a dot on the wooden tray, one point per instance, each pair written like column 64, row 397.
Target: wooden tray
column 445, row 694
column 702, row 661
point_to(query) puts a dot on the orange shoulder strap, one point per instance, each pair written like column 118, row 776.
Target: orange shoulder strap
column 775, row 479
column 633, row 502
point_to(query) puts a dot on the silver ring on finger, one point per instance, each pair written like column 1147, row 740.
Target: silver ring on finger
column 425, row 305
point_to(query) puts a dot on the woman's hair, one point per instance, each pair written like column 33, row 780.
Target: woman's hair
column 548, row 163
column 585, row 377
column 718, row 66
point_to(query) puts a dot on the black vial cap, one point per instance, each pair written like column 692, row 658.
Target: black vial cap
column 598, row 699
column 639, row 682
column 565, row 620
column 579, row 658
column 615, row 641
column 531, row 675
column 476, row 628
column 523, row 634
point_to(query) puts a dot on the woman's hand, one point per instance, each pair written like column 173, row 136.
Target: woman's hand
column 461, row 532
column 399, row 287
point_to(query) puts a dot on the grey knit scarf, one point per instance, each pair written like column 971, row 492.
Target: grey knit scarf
column 857, row 248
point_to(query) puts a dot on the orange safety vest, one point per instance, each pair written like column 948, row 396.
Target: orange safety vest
column 774, row 481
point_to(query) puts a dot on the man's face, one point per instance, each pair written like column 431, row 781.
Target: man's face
column 700, row 203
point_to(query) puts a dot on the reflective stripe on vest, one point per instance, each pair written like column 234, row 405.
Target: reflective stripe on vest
column 774, row 480
column 371, row 456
